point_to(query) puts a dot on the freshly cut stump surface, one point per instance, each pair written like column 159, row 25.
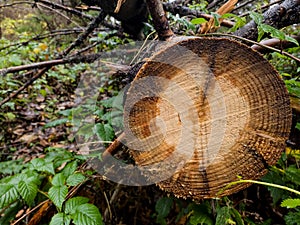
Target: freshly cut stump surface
column 204, row 112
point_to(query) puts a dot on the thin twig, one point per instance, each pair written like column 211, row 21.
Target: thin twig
column 43, row 36
column 55, row 5
column 59, row 13
column 96, row 21
column 111, row 149
column 73, row 59
column 30, row 211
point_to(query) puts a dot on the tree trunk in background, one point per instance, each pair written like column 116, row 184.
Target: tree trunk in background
column 278, row 16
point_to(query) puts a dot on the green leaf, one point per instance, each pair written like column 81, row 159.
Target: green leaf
column 28, row 191
column 201, row 214
column 11, row 166
column 197, row 21
column 56, row 122
column 59, row 180
column 87, row 214
column 290, row 203
column 104, row 131
column 60, row 219
column 75, row 179
column 237, row 216
column 293, row 40
column 41, row 165
column 8, row 194
column 292, row 218
column 223, row 215
column 73, row 203
column 293, row 174
column 15, row 60
column 108, row 103
column 298, row 126
column 216, row 18
column 163, row 206
column 258, row 18
column 69, row 169
column 10, row 213
column 275, row 33
column 58, row 194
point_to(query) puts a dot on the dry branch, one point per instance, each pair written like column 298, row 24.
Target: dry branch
column 55, row 5
column 160, row 20
column 74, row 59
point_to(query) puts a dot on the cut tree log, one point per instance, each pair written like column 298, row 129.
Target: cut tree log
column 204, row 112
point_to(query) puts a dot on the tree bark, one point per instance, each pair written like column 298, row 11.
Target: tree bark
column 160, row 20
column 278, row 16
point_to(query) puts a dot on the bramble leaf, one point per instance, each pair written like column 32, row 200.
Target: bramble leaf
column 60, row 219
column 290, row 203
column 73, row 203
column 87, row 214
column 57, row 195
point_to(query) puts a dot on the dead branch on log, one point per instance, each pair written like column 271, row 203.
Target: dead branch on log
column 255, row 43
column 160, row 20
column 209, row 25
column 278, row 16
column 275, row 43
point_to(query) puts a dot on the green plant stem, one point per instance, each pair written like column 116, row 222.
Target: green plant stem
column 261, row 183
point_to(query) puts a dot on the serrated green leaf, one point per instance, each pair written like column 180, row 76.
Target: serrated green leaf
column 8, row 194
column 273, row 31
column 292, row 218
column 11, row 166
column 56, row 122
column 69, row 169
column 73, row 203
column 216, row 18
column 197, row 21
column 87, row 214
column 293, row 40
column 298, row 126
column 163, row 206
column 223, row 215
column 260, row 33
column 290, row 203
column 258, row 18
column 104, row 131
column 10, row 213
column 28, row 191
column 41, row 165
column 75, row 179
column 59, row 180
column 108, row 103
column 60, row 219
column 201, row 215
column 293, row 174
column 237, row 216
column 58, row 194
